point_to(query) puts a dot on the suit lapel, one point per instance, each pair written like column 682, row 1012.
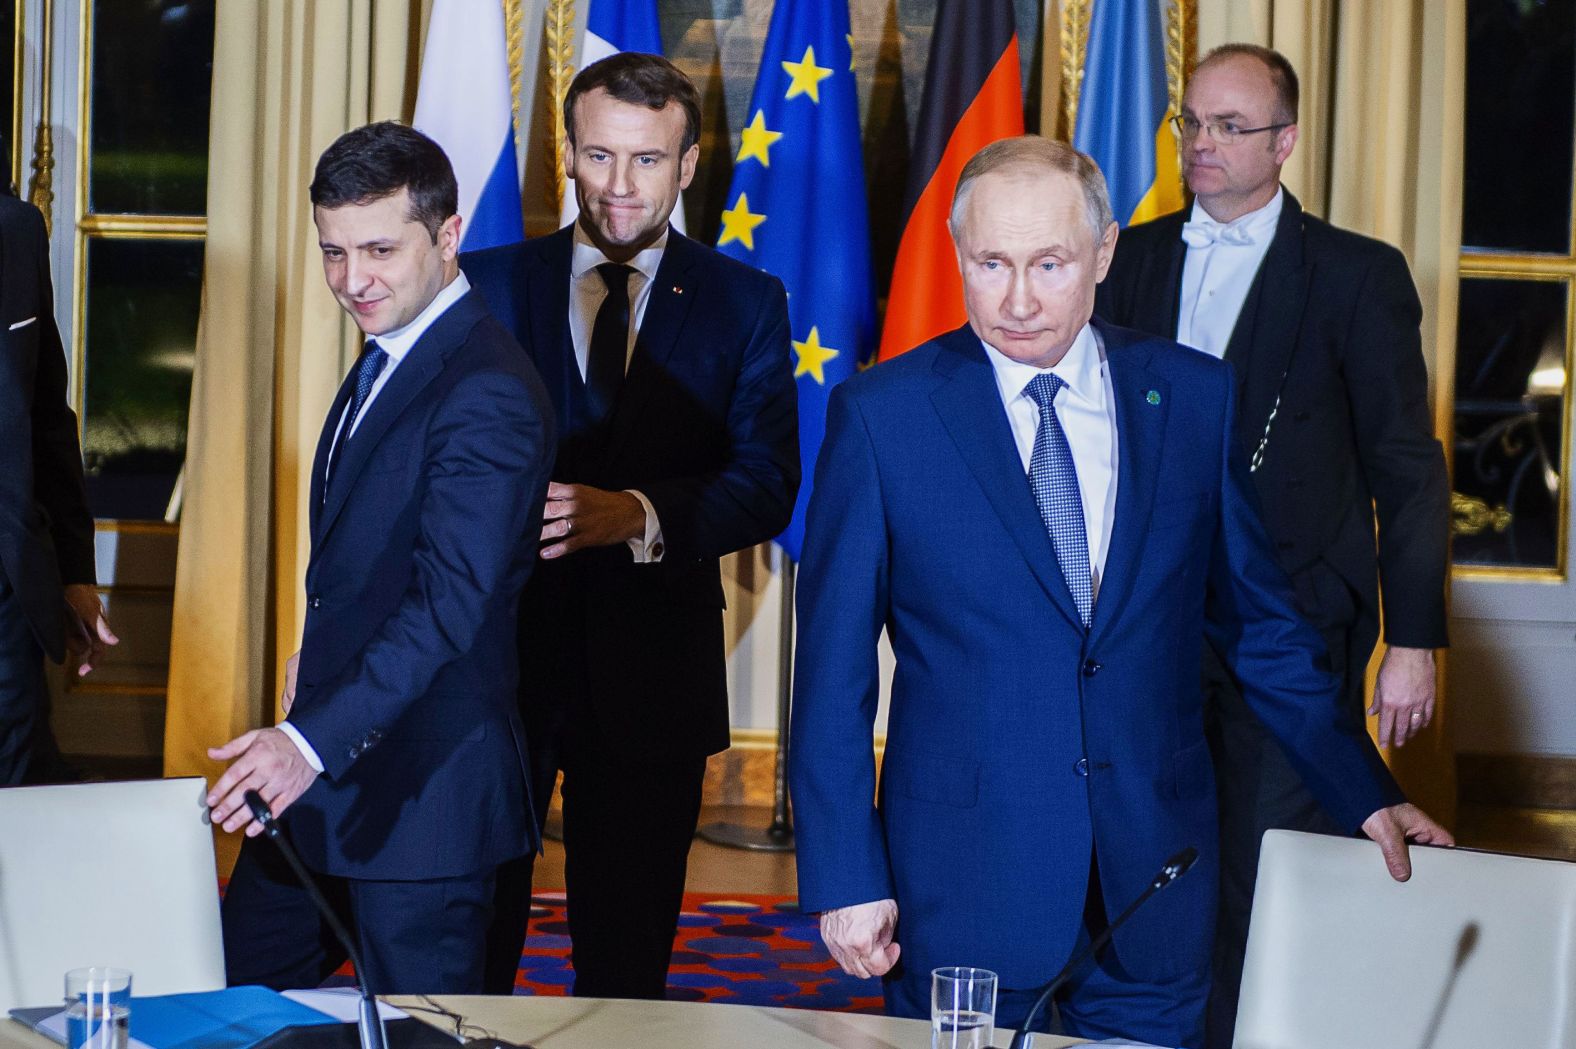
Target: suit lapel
column 325, row 444
column 1267, row 333
column 546, row 295
column 969, row 404
column 672, row 291
column 424, row 361
column 1143, row 400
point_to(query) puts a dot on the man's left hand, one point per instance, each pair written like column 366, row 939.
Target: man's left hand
column 1393, row 827
column 265, row 760
column 1403, row 694
column 578, row 516
column 87, row 628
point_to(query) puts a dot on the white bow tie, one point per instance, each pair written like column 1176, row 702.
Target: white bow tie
column 1204, row 232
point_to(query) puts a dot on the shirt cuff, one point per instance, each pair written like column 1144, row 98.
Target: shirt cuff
column 649, row 548
column 302, row 745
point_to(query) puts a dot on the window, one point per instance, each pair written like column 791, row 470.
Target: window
column 142, row 188
column 1513, row 349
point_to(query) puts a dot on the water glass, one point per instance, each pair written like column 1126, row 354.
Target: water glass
column 962, row 1007
column 98, row 1008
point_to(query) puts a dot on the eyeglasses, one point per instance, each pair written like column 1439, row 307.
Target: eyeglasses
column 1223, row 132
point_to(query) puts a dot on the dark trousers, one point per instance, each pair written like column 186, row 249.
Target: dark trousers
column 628, row 824
column 1100, row 1001
column 415, row 937
column 1259, row 790
column 24, row 699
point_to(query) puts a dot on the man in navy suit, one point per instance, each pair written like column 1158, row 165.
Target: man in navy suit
column 1045, row 515
column 668, row 364
column 48, row 603
column 400, row 772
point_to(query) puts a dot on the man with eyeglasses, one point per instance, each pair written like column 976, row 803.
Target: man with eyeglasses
column 1321, row 325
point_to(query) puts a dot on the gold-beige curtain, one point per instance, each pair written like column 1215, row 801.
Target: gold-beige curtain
column 1383, row 99
column 272, row 346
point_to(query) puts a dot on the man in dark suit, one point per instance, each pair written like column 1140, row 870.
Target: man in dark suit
column 48, row 602
column 1320, row 326
column 401, row 768
column 668, row 365
column 1042, row 513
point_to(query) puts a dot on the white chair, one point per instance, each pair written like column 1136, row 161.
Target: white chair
column 1476, row 950
column 118, row 874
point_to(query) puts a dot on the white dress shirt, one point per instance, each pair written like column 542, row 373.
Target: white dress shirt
column 1216, row 275
column 1086, row 408
column 397, row 344
column 587, row 292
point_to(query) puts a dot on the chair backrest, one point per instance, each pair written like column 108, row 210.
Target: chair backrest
column 118, row 874
column 1477, row 949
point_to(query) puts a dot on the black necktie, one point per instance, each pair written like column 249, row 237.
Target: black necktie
column 609, row 350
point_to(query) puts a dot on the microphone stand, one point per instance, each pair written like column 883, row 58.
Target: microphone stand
column 1175, row 867
column 370, row 1023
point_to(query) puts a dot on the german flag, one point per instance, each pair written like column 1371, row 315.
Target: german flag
column 973, row 97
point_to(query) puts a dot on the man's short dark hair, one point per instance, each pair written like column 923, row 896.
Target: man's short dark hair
column 638, row 80
column 1282, row 75
column 379, row 160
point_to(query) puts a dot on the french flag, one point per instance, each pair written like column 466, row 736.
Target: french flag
column 465, row 103
column 613, row 26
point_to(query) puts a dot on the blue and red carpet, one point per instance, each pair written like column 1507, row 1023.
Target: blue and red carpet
column 750, row 950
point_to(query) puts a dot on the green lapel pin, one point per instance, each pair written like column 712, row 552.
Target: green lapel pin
column 1153, row 396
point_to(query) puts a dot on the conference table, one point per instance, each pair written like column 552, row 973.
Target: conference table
column 601, row 1023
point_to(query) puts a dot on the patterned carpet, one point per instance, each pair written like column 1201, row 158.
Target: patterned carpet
column 750, row 950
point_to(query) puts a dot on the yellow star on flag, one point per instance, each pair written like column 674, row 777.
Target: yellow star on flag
column 738, row 224
column 807, row 76
column 813, row 357
column 757, row 141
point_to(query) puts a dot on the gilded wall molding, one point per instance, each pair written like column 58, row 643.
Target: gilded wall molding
column 559, row 44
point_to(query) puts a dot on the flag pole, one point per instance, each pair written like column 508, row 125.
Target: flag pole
column 778, row 837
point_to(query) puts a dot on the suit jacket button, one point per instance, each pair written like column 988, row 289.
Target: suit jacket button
column 1091, row 668
column 1082, row 767
column 657, row 547
column 355, row 752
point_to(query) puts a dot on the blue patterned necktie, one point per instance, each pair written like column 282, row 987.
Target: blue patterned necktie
column 1054, row 478
column 368, row 367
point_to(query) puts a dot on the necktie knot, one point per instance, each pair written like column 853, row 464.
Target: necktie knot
column 1204, row 232
column 1043, row 388
column 616, row 276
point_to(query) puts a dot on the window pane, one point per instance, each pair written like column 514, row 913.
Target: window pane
column 152, row 72
column 142, row 300
column 1510, row 403
column 1521, row 98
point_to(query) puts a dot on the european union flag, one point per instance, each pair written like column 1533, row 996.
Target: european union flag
column 797, row 210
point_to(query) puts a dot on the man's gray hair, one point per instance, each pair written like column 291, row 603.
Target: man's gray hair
column 1028, row 152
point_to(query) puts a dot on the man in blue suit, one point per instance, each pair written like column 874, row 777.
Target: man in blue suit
column 668, row 365
column 400, row 772
column 1045, row 516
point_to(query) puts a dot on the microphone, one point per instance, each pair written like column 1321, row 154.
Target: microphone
column 1175, row 867
column 370, row 1024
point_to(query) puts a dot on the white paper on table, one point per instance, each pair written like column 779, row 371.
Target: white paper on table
column 342, row 1003
column 54, row 1028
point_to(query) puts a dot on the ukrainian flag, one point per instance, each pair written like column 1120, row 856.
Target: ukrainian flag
column 1124, row 107
column 797, row 209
